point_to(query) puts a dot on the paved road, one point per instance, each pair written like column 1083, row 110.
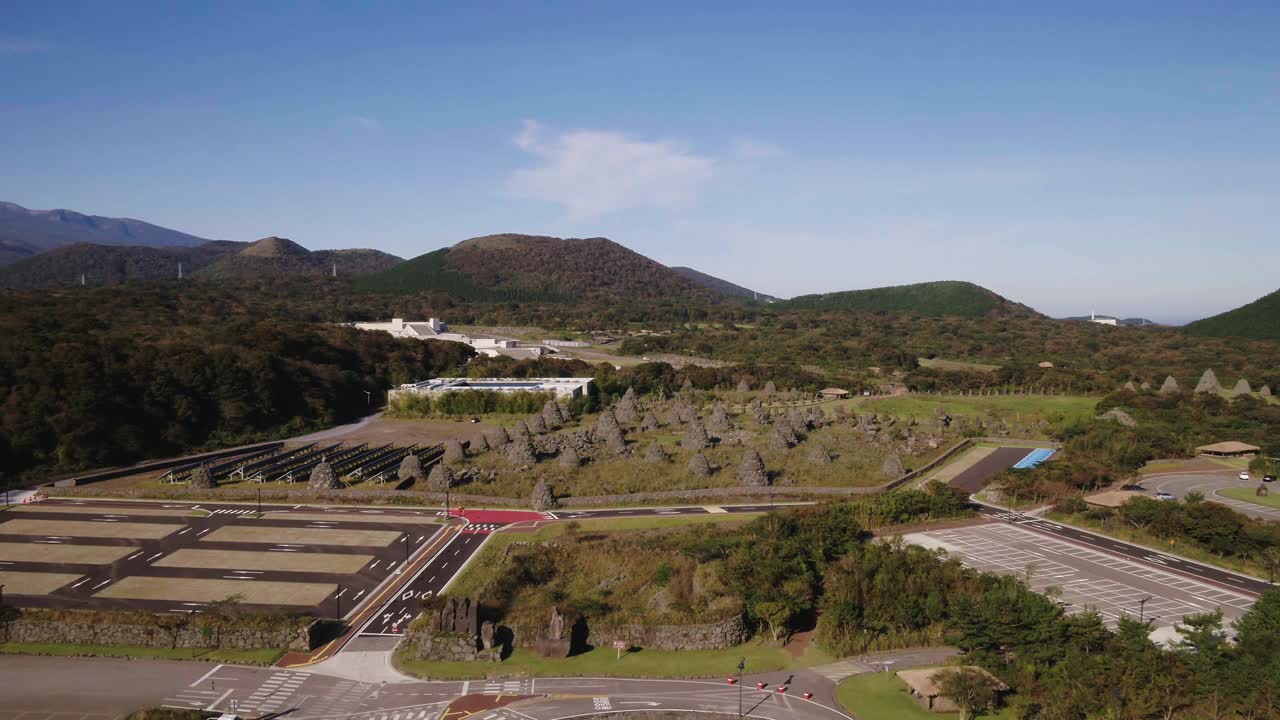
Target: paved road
column 1209, row 483
column 105, row 689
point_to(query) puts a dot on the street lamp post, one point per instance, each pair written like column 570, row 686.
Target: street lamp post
column 446, row 504
column 742, row 665
column 368, row 399
column 1142, row 607
column 259, row 502
column 338, row 600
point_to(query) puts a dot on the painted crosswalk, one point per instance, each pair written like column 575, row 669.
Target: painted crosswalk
column 482, row 528
column 274, row 693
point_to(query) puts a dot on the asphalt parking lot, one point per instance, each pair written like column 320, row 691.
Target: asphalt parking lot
column 1087, row 578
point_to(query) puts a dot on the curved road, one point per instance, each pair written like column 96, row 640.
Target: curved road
column 1209, row 483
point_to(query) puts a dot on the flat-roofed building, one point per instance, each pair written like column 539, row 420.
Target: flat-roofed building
column 560, row 387
column 1230, row 448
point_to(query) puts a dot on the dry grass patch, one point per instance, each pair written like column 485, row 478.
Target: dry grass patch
column 73, row 554
column 301, row 536
column 277, row 561
column 34, row 583
column 350, row 516
column 252, row 592
column 81, row 528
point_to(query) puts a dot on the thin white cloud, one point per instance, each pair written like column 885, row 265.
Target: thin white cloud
column 596, row 172
column 749, row 148
column 364, row 122
column 20, row 46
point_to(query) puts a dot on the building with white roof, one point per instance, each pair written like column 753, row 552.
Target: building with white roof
column 561, row 387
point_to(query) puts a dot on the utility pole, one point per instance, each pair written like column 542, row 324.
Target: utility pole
column 259, row 502
column 742, row 665
column 1142, row 607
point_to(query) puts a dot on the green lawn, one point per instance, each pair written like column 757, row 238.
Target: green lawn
column 1246, row 494
column 882, row 696
column 604, row 662
column 477, row 572
column 243, row 657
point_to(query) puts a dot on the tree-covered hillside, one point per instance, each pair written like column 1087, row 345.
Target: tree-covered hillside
column 1259, row 319
column 942, row 298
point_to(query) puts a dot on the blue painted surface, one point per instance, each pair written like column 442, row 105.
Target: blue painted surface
column 1033, row 458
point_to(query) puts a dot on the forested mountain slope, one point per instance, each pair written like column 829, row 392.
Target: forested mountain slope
column 1259, row 320
column 942, row 298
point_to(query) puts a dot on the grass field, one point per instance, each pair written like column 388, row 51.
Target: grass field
column 882, row 696
column 603, row 662
column 33, row 583
column 73, row 554
column 248, row 560
column 302, row 536
column 1247, row 494
column 76, row 528
column 253, row 592
column 477, row 573
column 241, row 657
column 1021, row 412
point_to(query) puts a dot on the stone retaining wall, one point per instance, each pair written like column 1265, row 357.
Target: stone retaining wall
column 705, row 636
column 58, row 632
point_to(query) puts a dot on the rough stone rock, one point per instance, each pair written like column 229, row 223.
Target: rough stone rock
column 892, row 467
column 322, row 478
column 520, row 451
column 441, row 477
column 655, row 454
column 687, row 386
column 1242, row 387
column 1170, row 385
column 566, row 412
column 609, row 432
column 569, row 457
column 201, row 479
column 480, row 445
column 551, row 414
column 453, row 452
column 719, row 421
column 543, row 498
column 537, row 424
column 1208, row 383
column 1145, row 386
column 682, row 412
column 695, row 437
column 1117, row 415
column 520, row 429
column 799, row 423
column 410, row 468
column 781, row 437
column 1265, row 391
column 744, row 386
column 699, row 466
column 486, row 634
column 818, row 455
column 627, row 410
column 1130, row 386
column 649, row 422
column 760, row 416
column 816, row 418
column 751, row 471
column 770, row 388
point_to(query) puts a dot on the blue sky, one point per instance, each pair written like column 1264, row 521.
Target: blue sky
column 1072, row 156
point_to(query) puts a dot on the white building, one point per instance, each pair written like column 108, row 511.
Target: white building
column 561, row 387
column 1104, row 320
column 434, row 329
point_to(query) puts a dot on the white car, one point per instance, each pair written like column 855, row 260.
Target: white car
column 1164, row 496
column 1244, row 476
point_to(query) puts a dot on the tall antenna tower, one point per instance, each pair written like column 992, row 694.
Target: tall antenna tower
column 179, row 269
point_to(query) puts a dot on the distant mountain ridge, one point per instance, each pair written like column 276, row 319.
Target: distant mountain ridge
column 1259, row 320
column 217, row 259
column 939, row 298
column 538, row 268
column 724, row 287
column 25, row 232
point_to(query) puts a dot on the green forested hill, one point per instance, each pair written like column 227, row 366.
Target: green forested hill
column 533, row 268
column 946, row 297
column 1259, row 320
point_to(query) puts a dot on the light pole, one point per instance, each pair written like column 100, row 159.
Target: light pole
column 259, row 502
column 446, row 504
column 1142, row 607
column 338, row 600
column 368, row 399
column 742, row 665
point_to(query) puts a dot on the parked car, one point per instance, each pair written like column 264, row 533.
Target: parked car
column 1244, row 476
column 1268, row 478
column 1164, row 496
